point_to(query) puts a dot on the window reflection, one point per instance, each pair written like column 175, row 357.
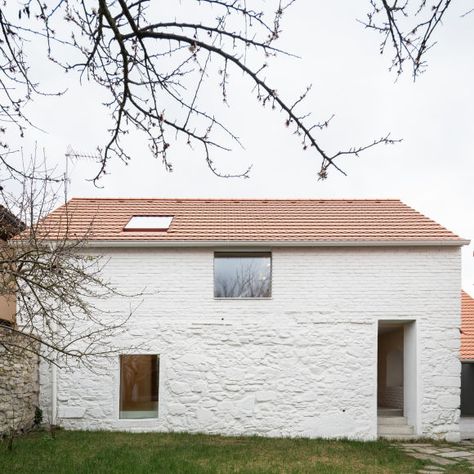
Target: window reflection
column 139, row 376
column 242, row 275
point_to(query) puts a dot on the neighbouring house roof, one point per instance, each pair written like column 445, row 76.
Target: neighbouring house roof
column 467, row 326
column 319, row 222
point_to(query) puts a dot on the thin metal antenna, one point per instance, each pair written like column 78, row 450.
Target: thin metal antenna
column 71, row 154
column 66, row 173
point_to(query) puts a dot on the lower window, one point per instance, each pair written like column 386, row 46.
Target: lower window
column 139, row 378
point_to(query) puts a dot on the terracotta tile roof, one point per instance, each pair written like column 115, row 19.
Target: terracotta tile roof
column 467, row 327
column 202, row 220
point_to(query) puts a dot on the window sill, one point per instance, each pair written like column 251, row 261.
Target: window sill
column 263, row 298
column 138, row 420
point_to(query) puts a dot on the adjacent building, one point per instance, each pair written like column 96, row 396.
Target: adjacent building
column 467, row 360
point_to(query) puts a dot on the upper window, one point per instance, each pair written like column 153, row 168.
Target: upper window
column 149, row 223
column 139, row 378
column 242, row 275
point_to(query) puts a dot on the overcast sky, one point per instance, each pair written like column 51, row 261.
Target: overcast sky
column 431, row 170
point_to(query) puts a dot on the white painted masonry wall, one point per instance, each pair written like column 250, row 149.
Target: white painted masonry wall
column 303, row 363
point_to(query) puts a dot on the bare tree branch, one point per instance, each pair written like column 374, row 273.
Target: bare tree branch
column 58, row 284
column 408, row 27
column 157, row 74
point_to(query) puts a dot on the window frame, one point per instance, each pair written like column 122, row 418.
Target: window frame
column 239, row 254
column 119, row 395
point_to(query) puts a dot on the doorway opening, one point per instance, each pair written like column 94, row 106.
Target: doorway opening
column 396, row 379
column 390, row 368
column 467, row 389
column 467, row 400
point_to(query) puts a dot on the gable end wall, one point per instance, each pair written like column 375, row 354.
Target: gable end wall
column 303, row 363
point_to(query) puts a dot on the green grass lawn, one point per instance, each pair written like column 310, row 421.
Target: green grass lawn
column 104, row 452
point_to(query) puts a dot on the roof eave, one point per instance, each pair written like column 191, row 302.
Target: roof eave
column 276, row 243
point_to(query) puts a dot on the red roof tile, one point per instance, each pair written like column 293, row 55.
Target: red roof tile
column 467, row 327
column 201, row 220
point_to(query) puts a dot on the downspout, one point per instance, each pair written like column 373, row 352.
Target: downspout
column 54, row 394
column 54, row 382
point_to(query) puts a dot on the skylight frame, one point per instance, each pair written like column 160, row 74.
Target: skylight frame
column 144, row 223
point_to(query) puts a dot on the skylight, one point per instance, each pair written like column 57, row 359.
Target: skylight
column 149, row 223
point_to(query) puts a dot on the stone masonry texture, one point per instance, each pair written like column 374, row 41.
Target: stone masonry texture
column 303, row 363
column 18, row 383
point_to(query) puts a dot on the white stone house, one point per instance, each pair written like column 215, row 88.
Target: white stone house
column 319, row 318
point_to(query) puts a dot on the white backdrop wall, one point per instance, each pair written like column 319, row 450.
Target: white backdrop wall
column 303, row 363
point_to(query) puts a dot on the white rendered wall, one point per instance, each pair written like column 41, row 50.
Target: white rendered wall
column 412, row 373
column 303, row 363
column 467, row 427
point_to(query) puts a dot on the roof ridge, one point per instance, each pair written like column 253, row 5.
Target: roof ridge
column 229, row 199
